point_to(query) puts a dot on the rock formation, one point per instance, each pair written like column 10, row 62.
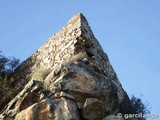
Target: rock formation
column 68, row 78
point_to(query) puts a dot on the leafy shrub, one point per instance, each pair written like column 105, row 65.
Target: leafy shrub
column 133, row 106
column 41, row 74
column 138, row 106
column 6, row 92
column 7, row 67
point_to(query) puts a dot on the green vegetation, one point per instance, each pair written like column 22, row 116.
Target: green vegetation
column 134, row 106
column 41, row 74
column 138, row 106
column 7, row 67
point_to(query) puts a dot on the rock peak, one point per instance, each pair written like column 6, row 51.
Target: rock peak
column 79, row 17
column 73, row 42
column 76, row 73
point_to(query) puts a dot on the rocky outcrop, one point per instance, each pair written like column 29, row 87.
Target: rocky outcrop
column 81, row 83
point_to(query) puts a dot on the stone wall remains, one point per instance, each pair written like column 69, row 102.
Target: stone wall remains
column 73, row 42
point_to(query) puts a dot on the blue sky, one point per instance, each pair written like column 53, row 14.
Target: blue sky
column 128, row 30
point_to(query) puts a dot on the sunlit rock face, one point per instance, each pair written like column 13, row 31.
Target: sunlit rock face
column 68, row 78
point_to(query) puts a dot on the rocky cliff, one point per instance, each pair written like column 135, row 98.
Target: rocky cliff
column 68, row 78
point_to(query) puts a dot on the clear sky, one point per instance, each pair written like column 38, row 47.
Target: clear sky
column 128, row 30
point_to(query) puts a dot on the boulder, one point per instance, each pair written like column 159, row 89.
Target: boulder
column 93, row 109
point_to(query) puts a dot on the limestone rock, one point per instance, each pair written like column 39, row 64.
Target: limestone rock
column 81, row 81
column 67, row 110
column 93, row 109
column 37, row 111
column 80, row 84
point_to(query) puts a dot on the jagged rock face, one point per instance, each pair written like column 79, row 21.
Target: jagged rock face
column 81, row 83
